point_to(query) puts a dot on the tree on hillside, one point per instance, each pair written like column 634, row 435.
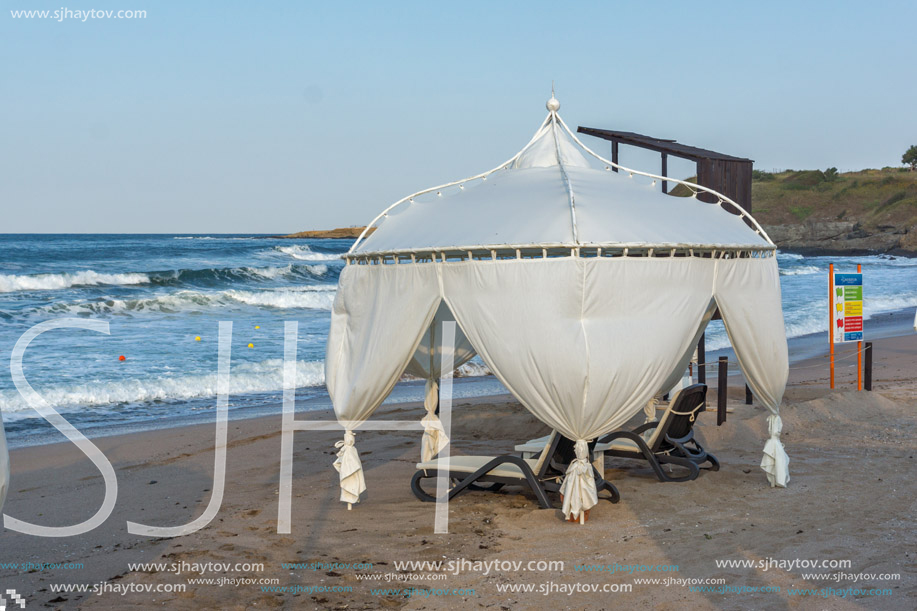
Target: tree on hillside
column 910, row 157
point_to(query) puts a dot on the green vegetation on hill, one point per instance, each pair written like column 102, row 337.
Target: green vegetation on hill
column 872, row 198
column 869, row 210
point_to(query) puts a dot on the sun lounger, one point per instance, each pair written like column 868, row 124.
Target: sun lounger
column 542, row 474
column 672, row 439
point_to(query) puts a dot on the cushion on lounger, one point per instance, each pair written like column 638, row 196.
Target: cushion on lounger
column 470, row 464
column 621, row 445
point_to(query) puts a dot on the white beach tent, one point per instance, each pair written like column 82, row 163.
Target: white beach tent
column 584, row 290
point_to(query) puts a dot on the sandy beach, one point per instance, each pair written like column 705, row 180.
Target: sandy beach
column 851, row 498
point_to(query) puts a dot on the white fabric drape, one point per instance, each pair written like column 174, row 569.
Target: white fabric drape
column 748, row 294
column 378, row 317
column 427, row 363
column 350, row 468
column 582, row 343
column 776, row 463
column 434, row 437
column 578, row 487
column 681, row 367
column 4, row 465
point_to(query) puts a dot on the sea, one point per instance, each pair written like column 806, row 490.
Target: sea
column 163, row 297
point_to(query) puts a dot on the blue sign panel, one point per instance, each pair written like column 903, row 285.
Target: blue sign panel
column 848, row 279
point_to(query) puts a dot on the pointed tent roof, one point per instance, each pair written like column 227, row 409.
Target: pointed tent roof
column 556, row 192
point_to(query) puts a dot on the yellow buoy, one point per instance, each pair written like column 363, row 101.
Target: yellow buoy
column 251, row 345
column 197, row 338
column 257, row 327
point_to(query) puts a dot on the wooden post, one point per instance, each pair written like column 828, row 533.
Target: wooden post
column 701, row 357
column 748, row 395
column 722, row 372
column 860, row 349
column 868, row 384
column 614, row 154
column 665, row 172
column 831, row 319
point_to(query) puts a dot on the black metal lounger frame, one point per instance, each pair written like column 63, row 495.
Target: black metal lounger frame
column 667, row 449
column 540, row 483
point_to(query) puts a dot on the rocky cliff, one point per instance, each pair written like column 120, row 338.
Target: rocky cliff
column 839, row 213
column 843, row 237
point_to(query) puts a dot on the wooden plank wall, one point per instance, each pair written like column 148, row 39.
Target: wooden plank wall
column 731, row 178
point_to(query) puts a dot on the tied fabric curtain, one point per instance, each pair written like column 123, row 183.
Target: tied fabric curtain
column 584, row 344
column 348, row 465
column 379, row 314
column 427, row 363
column 748, row 294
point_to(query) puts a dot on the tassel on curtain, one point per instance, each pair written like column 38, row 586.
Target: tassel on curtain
column 578, row 487
column 434, row 437
column 776, row 463
column 351, row 470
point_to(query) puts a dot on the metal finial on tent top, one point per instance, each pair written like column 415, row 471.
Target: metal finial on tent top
column 553, row 105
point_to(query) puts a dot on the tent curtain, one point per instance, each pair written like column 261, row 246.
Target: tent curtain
column 748, row 294
column 583, row 343
column 434, row 437
column 427, row 363
column 681, row 367
column 379, row 314
column 348, row 465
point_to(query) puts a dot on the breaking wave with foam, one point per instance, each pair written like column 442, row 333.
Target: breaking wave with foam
column 10, row 283
column 800, row 271
column 301, row 252
column 50, row 282
column 310, row 298
column 260, row 377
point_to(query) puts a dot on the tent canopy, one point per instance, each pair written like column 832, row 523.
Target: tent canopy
column 583, row 290
column 555, row 192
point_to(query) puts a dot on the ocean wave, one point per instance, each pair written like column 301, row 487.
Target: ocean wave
column 305, row 297
column 221, row 275
column 207, row 237
column 472, row 369
column 301, row 252
column 284, row 299
column 887, row 303
column 813, row 317
column 801, row 271
column 51, row 282
column 264, row 376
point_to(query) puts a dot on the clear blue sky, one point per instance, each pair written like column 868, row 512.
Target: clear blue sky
column 282, row 116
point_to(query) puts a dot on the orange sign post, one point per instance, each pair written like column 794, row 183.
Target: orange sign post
column 859, row 349
column 831, row 319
